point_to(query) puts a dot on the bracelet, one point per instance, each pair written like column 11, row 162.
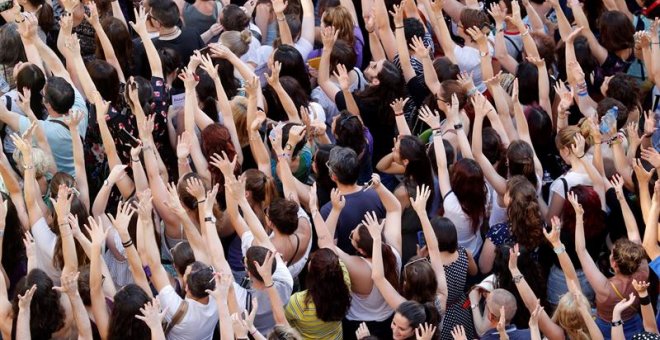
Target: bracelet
column 398, row 114
column 284, row 155
column 616, row 323
column 127, row 243
column 135, row 160
column 474, row 306
column 559, row 249
column 458, row 126
column 270, row 285
column 185, row 161
column 518, row 278
column 63, row 224
column 583, row 94
column 645, row 300
column 28, row 167
column 372, row 31
column 524, row 33
column 283, row 19
column 397, row 27
column 583, row 154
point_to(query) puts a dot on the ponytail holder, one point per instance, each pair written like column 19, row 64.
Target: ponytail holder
column 646, row 11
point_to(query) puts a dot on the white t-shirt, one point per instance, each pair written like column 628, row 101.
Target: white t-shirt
column 45, row 240
column 467, row 238
column 572, row 179
column 264, row 321
column 199, row 321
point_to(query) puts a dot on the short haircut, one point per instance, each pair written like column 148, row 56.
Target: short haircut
column 165, row 12
column 344, row 164
column 502, row 297
column 257, row 254
column 200, row 279
column 284, row 215
column 60, row 95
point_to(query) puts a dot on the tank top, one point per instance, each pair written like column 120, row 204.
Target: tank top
column 372, row 307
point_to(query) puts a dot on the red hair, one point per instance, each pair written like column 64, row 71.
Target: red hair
column 216, row 139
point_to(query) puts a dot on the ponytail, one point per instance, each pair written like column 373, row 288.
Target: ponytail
column 390, row 265
column 46, row 17
column 270, row 190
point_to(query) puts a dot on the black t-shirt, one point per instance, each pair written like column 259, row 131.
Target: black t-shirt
column 382, row 128
column 187, row 42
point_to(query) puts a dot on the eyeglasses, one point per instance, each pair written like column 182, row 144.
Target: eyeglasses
column 327, row 163
column 345, row 119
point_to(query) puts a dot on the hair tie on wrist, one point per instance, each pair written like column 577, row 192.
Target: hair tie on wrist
column 127, row 243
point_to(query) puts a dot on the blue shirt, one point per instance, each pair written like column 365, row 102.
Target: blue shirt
column 59, row 137
column 655, row 265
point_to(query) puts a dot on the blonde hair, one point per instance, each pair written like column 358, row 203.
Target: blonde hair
column 567, row 316
column 39, row 158
column 239, row 112
column 237, row 42
column 564, row 138
column 340, row 18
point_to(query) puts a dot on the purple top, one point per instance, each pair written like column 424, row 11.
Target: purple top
column 358, row 48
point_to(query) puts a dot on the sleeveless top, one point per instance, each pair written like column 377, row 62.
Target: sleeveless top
column 372, row 307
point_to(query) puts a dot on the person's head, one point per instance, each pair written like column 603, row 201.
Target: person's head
column 259, row 188
column 127, row 304
column 411, row 152
column 625, row 89
column 233, row 18
column 326, row 286
column 12, row 50
column 342, row 53
column 473, row 18
column 410, row 315
column 626, row 256
column 237, row 41
column 412, row 28
column 593, row 218
column 494, row 149
column 171, row 61
column 105, row 78
column 564, row 140
column 418, row 281
column 257, row 254
column 616, row 31
column 445, row 69
column 239, row 113
column 145, row 94
column 524, row 212
column 363, row 243
column 540, row 128
column 227, row 78
column 546, row 47
column 59, row 96
column 520, row 160
column 447, row 89
column 216, row 139
column 467, row 181
column 449, row 154
column 286, row 129
column 445, row 231
column 320, row 169
column 182, row 257
column 343, row 165
column 46, row 313
column 295, row 91
column 497, row 299
column 282, row 216
column 165, row 13
column 382, row 71
column 340, row 18
column 40, row 161
column 622, row 111
column 282, row 332
column 206, row 95
column 528, row 75
column 120, row 38
column 567, row 316
column 349, row 131
column 198, row 278
column 293, row 65
column 32, row 77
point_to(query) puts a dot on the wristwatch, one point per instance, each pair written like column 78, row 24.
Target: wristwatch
column 288, row 147
column 211, row 219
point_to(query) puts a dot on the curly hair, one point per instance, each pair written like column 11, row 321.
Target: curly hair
column 46, row 313
column 326, row 286
column 127, row 304
column 524, row 212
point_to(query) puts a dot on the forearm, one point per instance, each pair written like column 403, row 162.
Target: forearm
column 254, row 224
column 80, row 316
column 183, row 167
column 287, row 178
column 563, row 24
column 430, row 77
column 106, row 46
column 501, row 99
column 51, row 60
column 617, row 332
column 23, row 324
column 287, row 103
column 276, row 305
column 629, row 220
column 153, row 57
column 502, row 54
column 404, row 54
column 351, row 104
column 621, row 164
column 134, row 262
column 260, row 152
column 79, row 165
column 285, row 31
column 215, row 247
column 194, row 237
column 68, row 246
column 228, row 118
column 402, row 125
column 544, row 90
column 377, row 51
column 325, row 239
column 535, row 20
column 99, row 307
column 101, row 201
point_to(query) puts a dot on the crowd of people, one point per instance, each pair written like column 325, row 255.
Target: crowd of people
column 329, row 169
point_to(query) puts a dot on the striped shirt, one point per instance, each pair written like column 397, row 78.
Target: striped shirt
column 302, row 316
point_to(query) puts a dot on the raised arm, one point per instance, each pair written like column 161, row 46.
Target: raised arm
column 422, row 53
column 376, row 48
column 153, row 317
column 401, row 124
column 446, row 43
column 392, row 228
column 62, row 206
column 617, row 331
column 265, row 271
column 286, row 101
column 99, row 306
column 106, row 45
column 496, row 181
column 401, row 45
column 523, row 128
column 643, row 180
column 383, row 28
column 628, row 217
column 30, row 187
column 38, row 132
column 648, row 316
column 562, row 22
column 223, row 283
column 15, row 192
column 72, row 121
column 69, row 286
column 307, row 24
column 502, row 55
column 544, row 84
column 529, row 46
column 390, row 294
column 419, row 205
column 433, row 120
column 486, row 64
column 140, row 27
column 23, row 318
column 257, row 146
column 237, row 190
column 329, row 37
column 651, row 233
column 547, row 326
column 597, row 50
column 285, row 32
column 194, row 187
column 597, row 280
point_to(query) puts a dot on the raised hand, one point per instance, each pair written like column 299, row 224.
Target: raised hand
column 514, row 252
column 207, row 65
column 578, row 145
column 617, row 183
column 224, row 165
column 25, row 300
column 222, row 284
column 274, row 77
column 93, row 17
column 632, row 130
column 465, row 79
column 144, row 205
column 151, row 314
column 328, row 37
column 555, row 232
column 496, row 12
column 424, row 332
column 342, row 76
column 123, row 217
column 195, row 187
column 68, row 284
column 264, row 269
column 566, row 96
column 642, row 175
column 30, row 246
column 183, row 145
column 252, row 87
column 576, row 32
column 398, row 104
column 72, row 43
column 74, row 118
column 501, row 323
column 458, row 333
column 623, row 305
column 337, row 199
column 538, row 62
column 397, row 14
column 478, row 36
column 117, row 172
column 453, row 114
column 24, row 100
column 236, row 189
column 649, row 123
column 371, row 222
column 572, row 198
column 173, row 202
column 534, row 318
column 189, row 78
column 102, row 106
column 279, row 6
column 95, row 231
column 62, row 203
column 641, row 286
column 362, row 331
column 421, row 51
column 431, row 118
column 652, row 156
column 421, row 198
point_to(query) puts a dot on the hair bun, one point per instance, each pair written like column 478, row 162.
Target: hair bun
column 246, row 36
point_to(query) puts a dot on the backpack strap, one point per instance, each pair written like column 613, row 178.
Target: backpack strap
column 178, row 316
column 563, row 180
column 518, row 51
column 61, row 123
